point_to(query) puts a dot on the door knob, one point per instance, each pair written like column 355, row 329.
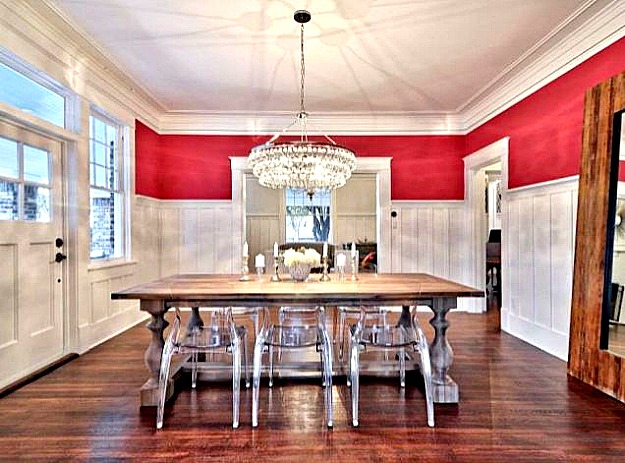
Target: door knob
column 58, row 242
column 59, row 257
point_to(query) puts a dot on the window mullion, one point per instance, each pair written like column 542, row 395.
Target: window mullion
column 20, row 188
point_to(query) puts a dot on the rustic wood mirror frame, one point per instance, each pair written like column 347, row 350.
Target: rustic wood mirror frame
column 587, row 361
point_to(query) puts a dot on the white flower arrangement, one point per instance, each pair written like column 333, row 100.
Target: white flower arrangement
column 302, row 256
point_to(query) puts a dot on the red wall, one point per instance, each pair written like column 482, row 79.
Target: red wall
column 198, row 166
column 147, row 153
column 545, row 129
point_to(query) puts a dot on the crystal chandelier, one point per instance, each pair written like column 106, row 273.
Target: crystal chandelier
column 306, row 164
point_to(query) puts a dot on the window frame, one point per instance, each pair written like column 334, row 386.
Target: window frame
column 123, row 185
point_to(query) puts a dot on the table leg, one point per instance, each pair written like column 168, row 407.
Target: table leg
column 152, row 357
column 445, row 389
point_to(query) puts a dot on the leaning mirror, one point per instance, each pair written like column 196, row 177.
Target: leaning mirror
column 613, row 316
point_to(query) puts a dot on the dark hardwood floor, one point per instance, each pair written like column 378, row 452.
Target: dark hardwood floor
column 517, row 404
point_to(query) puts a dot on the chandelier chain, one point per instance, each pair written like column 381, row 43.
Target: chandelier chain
column 302, row 164
column 302, row 73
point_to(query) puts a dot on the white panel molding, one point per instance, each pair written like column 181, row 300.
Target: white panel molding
column 538, row 254
column 593, row 27
column 432, row 237
column 196, row 236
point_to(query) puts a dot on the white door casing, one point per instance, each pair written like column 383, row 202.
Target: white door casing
column 474, row 198
column 381, row 166
column 31, row 282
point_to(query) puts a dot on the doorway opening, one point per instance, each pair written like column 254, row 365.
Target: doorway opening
column 486, row 182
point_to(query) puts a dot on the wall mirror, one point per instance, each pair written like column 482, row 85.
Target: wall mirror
column 613, row 310
column 599, row 243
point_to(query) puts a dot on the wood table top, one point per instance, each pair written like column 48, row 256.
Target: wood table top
column 369, row 289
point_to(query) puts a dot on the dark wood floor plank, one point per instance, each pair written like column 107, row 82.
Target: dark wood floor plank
column 517, row 404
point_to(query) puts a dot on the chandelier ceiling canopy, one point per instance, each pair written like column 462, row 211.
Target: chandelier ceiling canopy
column 307, row 164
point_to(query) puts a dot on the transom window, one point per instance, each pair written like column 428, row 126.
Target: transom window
column 25, row 182
column 307, row 218
column 107, row 194
column 31, row 97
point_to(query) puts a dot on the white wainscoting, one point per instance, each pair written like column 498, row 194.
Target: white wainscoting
column 432, row 237
column 537, row 252
column 102, row 318
column 196, row 237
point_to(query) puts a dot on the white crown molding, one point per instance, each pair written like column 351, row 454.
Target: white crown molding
column 41, row 26
column 335, row 123
column 593, row 27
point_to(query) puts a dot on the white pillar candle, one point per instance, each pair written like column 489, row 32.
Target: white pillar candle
column 340, row 260
column 353, row 250
column 260, row 260
column 245, row 250
column 325, row 249
column 275, row 249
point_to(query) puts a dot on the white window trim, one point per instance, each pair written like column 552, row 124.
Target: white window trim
column 123, row 155
column 30, row 72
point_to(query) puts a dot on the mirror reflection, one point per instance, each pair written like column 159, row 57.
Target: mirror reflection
column 614, row 309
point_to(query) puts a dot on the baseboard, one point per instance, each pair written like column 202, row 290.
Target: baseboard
column 552, row 342
column 37, row 374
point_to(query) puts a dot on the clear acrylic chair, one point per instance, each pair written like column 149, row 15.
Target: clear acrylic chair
column 199, row 339
column 344, row 313
column 296, row 329
column 372, row 331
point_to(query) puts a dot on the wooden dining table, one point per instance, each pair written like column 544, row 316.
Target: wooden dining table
column 387, row 289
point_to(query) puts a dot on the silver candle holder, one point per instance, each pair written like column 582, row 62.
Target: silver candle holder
column 325, row 276
column 276, row 265
column 355, row 267
column 259, row 272
column 245, row 270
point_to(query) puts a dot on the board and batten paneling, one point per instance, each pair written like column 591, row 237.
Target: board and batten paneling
column 537, row 256
column 196, row 237
column 432, row 237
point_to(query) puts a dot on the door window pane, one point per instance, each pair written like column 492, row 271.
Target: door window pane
column 23, row 93
column 9, row 166
column 36, row 165
column 8, row 200
column 36, row 203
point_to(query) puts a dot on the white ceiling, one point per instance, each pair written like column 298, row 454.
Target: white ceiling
column 361, row 55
